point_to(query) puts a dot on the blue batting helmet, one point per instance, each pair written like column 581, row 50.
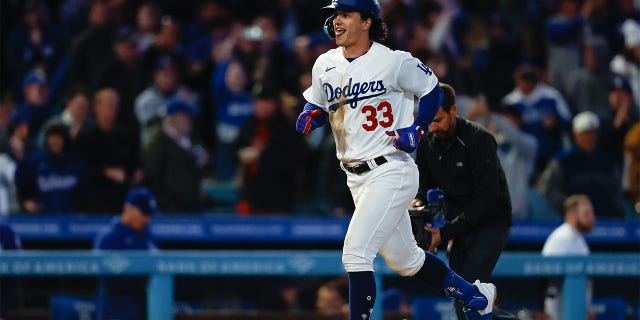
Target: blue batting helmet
column 370, row 6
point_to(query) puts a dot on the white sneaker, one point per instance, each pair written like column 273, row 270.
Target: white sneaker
column 490, row 292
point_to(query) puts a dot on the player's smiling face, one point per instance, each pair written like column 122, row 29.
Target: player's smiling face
column 350, row 29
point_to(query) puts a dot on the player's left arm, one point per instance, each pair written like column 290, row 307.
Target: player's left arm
column 415, row 77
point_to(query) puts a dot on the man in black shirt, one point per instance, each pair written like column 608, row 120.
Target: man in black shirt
column 459, row 157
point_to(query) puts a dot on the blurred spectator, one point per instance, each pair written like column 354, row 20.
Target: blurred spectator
column 19, row 132
column 174, row 161
column 270, row 156
column 35, row 109
column 627, row 63
column 586, row 87
column 584, row 169
column 35, row 42
column 112, row 157
column 124, row 298
column 91, row 47
column 564, row 31
column 394, row 300
column 263, row 56
column 306, row 49
column 432, row 30
column 151, row 104
column 147, row 25
column 121, row 73
column 287, row 20
column 210, row 26
column 396, row 13
column 568, row 240
column 283, row 297
column 73, row 16
column 495, row 62
column 622, row 113
column 166, row 44
column 52, row 181
column 234, row 105
column 7, row 177
column 632, row 152
column 332, row 297
column 544, row 112
column 9, row 240
column 516, row 150
column 8, row 201
column 74, row 116
column 527, row 19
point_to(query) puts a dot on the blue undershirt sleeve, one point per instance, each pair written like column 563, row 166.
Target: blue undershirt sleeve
column 428, row 107
column 310, row 107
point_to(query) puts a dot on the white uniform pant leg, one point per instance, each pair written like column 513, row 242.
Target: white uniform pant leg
column 380, row 221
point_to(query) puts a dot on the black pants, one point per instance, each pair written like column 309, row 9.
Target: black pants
column 474, row 255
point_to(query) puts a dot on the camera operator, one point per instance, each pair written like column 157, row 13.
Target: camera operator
column 459, row 157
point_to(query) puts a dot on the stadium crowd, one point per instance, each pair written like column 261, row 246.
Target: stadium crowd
column 196, row 100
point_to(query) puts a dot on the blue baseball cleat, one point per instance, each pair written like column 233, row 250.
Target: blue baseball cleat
column 489, row 291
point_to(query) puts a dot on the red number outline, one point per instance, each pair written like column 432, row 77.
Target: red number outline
column 371, row 116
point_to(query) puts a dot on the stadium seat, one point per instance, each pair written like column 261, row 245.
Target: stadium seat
column 72, row 308
column 539, row 207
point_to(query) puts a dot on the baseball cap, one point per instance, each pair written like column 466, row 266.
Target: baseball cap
column 585, row 121
column 165, row 61
column 176, row 105
column 143, row 199
column 34, row 76
column 19, row 116
column 124, row 35
column 371, row 6
column 266, row 92
column 620, row 82
column 631, row 31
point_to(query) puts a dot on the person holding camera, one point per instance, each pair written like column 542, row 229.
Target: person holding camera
column 459, row 157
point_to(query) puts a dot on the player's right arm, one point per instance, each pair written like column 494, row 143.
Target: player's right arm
column 312, row 115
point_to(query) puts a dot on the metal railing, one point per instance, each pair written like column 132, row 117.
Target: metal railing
column 162, row 266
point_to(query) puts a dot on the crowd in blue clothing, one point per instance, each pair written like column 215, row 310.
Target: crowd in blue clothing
column 96, row 94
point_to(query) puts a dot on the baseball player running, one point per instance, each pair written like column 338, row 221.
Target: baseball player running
column 367, row 92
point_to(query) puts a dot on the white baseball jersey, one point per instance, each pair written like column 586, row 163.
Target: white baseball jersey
column 563, row 241
column 365, row 98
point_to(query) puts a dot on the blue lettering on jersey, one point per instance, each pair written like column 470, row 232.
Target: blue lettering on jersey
column 355, row 91
column 424, row 68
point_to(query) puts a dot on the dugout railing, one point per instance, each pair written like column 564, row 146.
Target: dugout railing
column 163, row 266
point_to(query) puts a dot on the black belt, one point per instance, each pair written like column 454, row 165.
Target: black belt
column 363, row 166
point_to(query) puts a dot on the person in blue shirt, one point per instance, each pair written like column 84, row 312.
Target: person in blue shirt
column 52, row 181
column 124, row 298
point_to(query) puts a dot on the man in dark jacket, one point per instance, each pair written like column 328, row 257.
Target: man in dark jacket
column 459, row 157
column 584, row 169
column 270, row 158
column 174, row 161
column 112, row 157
